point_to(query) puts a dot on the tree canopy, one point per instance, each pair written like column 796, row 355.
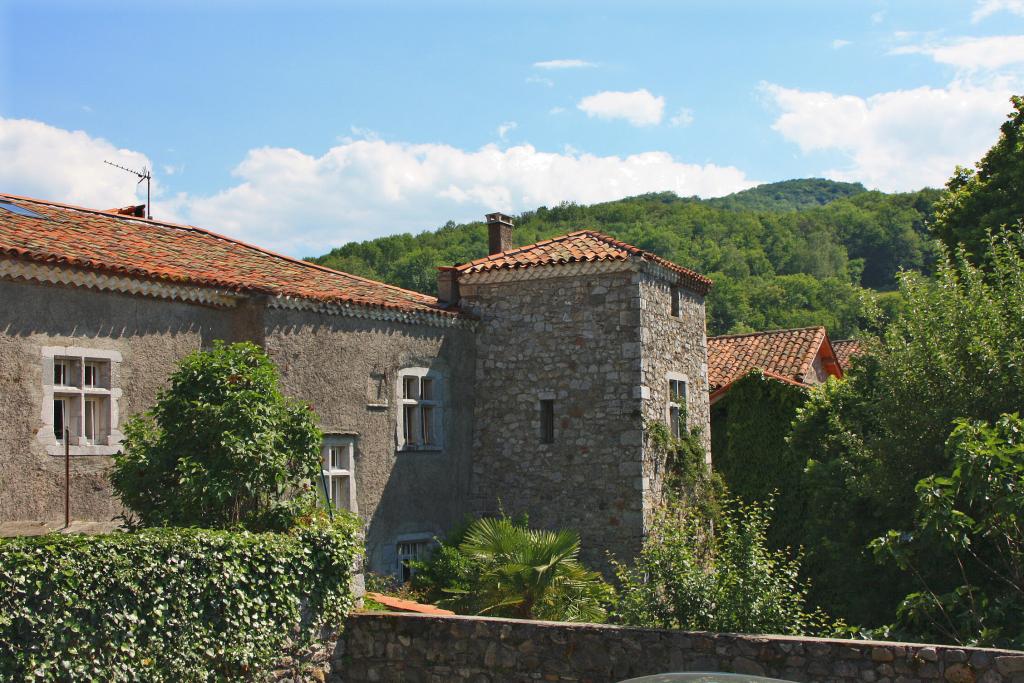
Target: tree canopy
column 221, row 447
column 989, row 198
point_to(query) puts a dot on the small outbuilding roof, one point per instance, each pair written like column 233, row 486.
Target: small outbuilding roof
column 788, row 354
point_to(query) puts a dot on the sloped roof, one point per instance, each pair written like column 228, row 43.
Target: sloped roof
column 579, row 247
column 845, row 349
column 787, row 353
column 126, row 245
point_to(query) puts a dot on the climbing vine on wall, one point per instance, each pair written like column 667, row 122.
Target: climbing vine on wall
column 749, row 426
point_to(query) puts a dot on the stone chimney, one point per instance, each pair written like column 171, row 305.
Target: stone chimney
column 447, row 287
column 499, row 233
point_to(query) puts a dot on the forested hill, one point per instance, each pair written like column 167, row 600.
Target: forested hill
column 786, row 254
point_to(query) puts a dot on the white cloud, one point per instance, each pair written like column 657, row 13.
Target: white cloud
column 878, row 17
column 899, row 140
column 683, row 118
column 639, row 107
column 987, row 8
column 301, row 204
column 506, row 128
column 839, row 43
column 970, row 53
column 556, row 110
column 564, row 64
column 43, row 161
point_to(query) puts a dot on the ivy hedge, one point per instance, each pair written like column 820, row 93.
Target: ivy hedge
column 749, row 427
column 169, row 604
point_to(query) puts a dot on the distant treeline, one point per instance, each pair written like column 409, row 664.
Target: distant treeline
column 788, row 254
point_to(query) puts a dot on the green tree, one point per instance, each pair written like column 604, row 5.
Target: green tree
column 503, row 568
column 696, row 576
column 989, row 198
column 221, row 447
column 957, row 351
column 975, row 514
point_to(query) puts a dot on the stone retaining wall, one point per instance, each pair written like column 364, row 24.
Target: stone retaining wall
column 418, row 648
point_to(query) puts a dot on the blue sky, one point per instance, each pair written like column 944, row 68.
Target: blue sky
column 303, row 125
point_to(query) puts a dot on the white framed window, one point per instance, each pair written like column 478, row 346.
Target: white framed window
column 80, row 400
column 677, row 404
column 339, row 472
column 420, row 416
column 408, row 549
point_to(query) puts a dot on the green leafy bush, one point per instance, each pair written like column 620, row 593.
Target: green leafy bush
column 975, row 515
column 956, row 352
column 692, row 576
column 501, row 567
column 169, row 604
column 222, row 446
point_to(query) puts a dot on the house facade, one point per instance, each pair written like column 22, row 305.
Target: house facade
column 524, row 386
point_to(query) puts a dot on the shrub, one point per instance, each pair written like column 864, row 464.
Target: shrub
column 698, row 578
column 169, row 604
column 222, row 446
column 974, row 514
column 501, row 567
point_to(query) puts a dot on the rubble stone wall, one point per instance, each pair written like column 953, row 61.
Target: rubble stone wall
column 417, row 648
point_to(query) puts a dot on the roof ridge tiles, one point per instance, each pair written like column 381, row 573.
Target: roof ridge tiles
column 767, row 332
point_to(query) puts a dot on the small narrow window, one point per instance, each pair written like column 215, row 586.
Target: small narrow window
column 60, row 406
column 408, row 551
column 60, row 373
column 547, row 420
column 677, row 407
column 90, row 427
column 90, row 375
column 674, row 293
column 421, row 421
column 338, row 466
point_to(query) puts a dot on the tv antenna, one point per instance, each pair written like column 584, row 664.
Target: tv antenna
column 144, row 174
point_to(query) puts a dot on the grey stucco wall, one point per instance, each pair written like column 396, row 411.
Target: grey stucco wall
column 340, row 365
column 576, row 340
column 676, row 345
column 347, row 369
column 150, row 334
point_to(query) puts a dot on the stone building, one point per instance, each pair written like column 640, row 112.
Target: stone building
column 525, row 385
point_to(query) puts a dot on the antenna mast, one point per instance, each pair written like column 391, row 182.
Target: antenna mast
column 144, row 174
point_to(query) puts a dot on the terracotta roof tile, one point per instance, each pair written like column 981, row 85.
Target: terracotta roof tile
column 846, row 349
column 137, row 247
column 406, row 605
column 786, row 353
column 577, row 247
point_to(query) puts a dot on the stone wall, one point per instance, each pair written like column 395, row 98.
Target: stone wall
column 417, row 648
column 676, row 347
column 575, row 340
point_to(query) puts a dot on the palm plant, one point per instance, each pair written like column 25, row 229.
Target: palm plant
column 532, row 573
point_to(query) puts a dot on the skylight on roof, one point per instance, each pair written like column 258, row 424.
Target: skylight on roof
column 20, row 210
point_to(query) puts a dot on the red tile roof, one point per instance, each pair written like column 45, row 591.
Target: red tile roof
column 578, row 247
column 182, row 254
column 846, row 349
column 401, row 605
column 787, row 353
